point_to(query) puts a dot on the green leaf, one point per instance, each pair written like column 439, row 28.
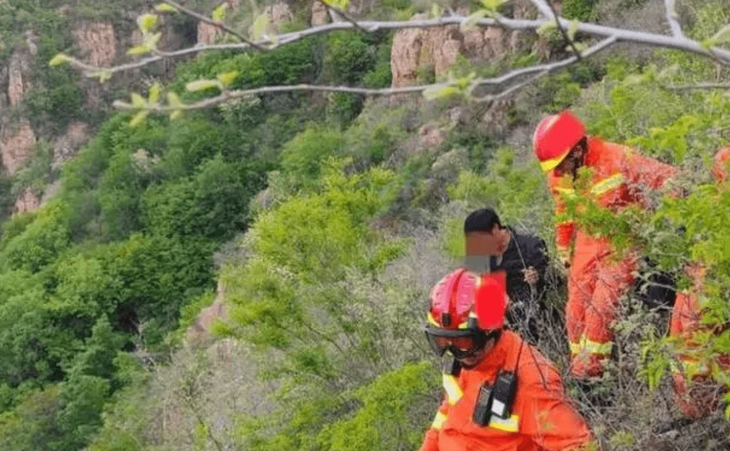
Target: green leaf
column 175, row 114
column 440, row 92
column 138, row 50
column 152, row 40
column 165, row 8
column 464, row 82
column 219, row 14
column 139, row 118
column 146, row 22
column 572, row 29
column 708, row 43
column 436, row 10
column 103, row 75
column 59, row 59
column 154, row 93
column 473, row 19
column 258, row 29
column 228, row 78
column 202, row 85
column 492, row 6
column 173, row 99
column 546, row 27
column 579, row 46
column 721, row 36
column 137, row 100
column 339, row 4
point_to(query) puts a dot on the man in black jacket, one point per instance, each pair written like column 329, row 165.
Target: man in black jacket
column 490, row 247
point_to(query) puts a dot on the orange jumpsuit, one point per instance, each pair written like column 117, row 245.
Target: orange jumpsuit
column 596, row 282
column 699, row 398
column 542, row 418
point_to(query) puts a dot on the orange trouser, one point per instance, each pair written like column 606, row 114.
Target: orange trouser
column 696, row 393
column 699, row 397
column 596, row 284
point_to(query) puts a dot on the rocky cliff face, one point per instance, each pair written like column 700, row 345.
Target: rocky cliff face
column 17, row 143
column 96, row 42
column 199, row 333
column 277, row 13
column 416, row 52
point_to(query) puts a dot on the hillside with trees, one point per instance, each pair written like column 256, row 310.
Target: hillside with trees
column 252, row 272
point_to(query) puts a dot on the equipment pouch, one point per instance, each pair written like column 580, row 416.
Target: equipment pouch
column 504, row 394
column 483, row 406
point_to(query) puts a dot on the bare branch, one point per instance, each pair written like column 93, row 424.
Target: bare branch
column 218, row 24
column 342, row 14
column 621, row 35
column 538, row 71
column 673, row 19
column 541, row 5
column 567, row 38
column 543, row 70
column 237, row 94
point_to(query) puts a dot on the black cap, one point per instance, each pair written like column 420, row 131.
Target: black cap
column 482, row 220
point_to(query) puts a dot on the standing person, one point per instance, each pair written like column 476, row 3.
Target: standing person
column 696, row 393
column 504, row 394
column 524, row 257
column 597, row 279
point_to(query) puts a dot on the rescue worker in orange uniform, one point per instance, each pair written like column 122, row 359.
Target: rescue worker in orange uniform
column 701, row 396
column 504, row 395
column 596, row 280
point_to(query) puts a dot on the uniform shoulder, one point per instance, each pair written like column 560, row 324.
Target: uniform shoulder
column 536, row 372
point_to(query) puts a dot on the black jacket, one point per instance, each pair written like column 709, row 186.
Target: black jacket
column 527, row 303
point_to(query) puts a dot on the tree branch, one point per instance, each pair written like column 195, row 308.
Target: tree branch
column 673, row 19
column 621, row 35
column 342, row 14
column 218, row 24
column 543, row 70
column 562, row 30
column 538, row 71
column 546, row 11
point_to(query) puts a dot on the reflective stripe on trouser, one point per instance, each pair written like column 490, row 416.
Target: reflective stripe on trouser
column 591, row 347
column 690, row 367
column 596, row 285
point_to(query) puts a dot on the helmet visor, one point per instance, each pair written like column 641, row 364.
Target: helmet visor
column 460, row 343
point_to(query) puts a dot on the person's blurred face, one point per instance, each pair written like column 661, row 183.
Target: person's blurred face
column 474, row 358
column 572, row 162
column 487, row 244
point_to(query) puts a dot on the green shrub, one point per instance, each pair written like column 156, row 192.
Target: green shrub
column 583, row 10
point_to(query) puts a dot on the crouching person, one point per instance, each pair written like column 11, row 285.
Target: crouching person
column 500, row 392
column 697, row 393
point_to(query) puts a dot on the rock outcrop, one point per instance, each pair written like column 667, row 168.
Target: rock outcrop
column 418, row 52
column 16, row 146
column 200, row 331
column 26, row 201
column 320, row 15
column 65, row 147
column 19, row 74
column 96, row 42
column 209, row 33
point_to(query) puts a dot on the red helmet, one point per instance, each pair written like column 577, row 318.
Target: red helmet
column 719, row 168
column 555, row 136
column 452, row 318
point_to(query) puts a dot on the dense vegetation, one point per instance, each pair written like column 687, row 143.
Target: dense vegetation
column 326, row 220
